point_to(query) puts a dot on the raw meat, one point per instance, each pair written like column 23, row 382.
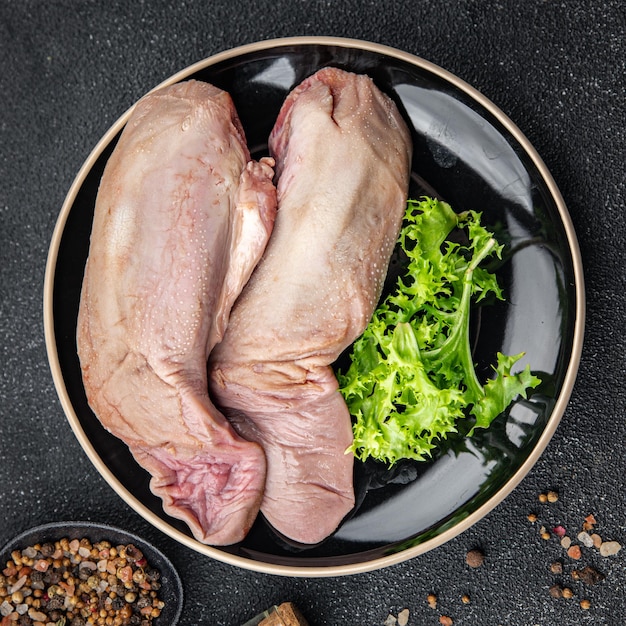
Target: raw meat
column 182, row 217
column 343, row 157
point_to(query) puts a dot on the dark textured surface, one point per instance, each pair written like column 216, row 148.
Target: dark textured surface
column 69, row 69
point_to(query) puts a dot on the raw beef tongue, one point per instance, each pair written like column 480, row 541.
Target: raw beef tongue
column 343, row 157
column 182, row 217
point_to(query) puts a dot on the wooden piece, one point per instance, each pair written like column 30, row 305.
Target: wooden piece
column 287, row 614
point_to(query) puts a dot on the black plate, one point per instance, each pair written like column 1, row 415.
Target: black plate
column 171, row 592
column 467, row 152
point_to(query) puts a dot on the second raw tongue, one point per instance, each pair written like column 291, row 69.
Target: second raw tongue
column 343, row 155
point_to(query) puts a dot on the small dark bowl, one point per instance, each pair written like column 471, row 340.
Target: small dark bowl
column 171, row 592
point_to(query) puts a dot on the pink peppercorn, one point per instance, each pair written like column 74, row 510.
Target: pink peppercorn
column 41, row 565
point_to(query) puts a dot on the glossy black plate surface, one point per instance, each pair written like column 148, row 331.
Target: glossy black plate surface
column 467, row 152
column 171, row 591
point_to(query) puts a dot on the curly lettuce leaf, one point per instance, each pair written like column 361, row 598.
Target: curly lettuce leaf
column 411, row 377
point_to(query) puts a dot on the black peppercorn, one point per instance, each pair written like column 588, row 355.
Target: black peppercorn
column 36, row 576
column 47, row 549
column 117, row 603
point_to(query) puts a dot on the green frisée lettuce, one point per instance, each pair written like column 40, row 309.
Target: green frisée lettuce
column 412, row 377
